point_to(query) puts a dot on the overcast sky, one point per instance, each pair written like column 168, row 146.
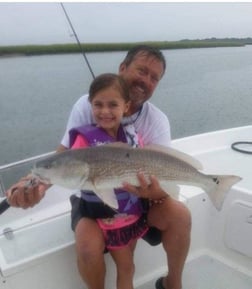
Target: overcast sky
column 41, row 23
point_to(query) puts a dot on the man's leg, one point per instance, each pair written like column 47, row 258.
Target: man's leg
column 90, row 253
column 173, row 219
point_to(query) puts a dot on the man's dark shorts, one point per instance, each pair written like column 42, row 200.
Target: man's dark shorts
column 80, row 209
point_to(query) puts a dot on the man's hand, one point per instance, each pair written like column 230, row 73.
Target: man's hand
column 25, row 195
column 148, row 189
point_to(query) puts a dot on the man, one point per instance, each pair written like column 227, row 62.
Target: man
column 170, row 220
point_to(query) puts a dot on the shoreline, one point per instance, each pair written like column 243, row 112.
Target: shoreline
column 29, row 50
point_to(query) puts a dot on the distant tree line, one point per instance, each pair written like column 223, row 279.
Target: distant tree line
column 106, row 47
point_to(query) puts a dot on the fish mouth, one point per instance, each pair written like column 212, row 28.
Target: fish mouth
column 40, row 178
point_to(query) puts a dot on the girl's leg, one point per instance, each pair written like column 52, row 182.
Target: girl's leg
column 124, row 260
column 90, row 253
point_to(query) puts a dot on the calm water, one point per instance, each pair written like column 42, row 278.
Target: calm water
column 203, row 90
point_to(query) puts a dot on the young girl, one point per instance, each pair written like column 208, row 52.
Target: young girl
column 109, row 98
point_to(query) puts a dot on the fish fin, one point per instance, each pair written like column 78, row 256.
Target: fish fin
column 223, row 185
column 171, row 189
column 107, row 195
column 176, row 153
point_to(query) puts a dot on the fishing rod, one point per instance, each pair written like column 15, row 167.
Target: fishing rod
column 77, row 39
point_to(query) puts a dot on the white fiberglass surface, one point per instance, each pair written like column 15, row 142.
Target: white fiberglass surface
column 36, row 240
column 206, row 272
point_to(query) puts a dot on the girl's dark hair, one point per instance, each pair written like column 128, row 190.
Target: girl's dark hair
column 145, row 50
column 107, row 80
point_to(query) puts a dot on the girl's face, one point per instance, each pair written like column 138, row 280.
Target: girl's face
column 108, row 108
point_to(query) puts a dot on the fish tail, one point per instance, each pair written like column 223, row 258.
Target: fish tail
column 217, row 193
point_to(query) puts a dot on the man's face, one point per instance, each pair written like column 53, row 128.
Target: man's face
column 142, row 75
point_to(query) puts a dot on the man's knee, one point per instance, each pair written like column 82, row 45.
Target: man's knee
column 185, row 217
column 171, row 213
column 178, row 211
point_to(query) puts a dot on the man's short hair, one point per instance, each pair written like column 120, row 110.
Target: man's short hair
column 148, row 51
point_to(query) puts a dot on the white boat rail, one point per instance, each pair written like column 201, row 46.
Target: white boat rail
column 24, row 161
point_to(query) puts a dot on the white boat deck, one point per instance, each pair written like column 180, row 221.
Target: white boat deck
column 207, row 272
column 39, row 251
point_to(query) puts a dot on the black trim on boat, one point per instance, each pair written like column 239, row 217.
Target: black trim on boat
column 4, row 205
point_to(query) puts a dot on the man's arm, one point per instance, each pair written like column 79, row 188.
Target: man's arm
column 21, row 195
